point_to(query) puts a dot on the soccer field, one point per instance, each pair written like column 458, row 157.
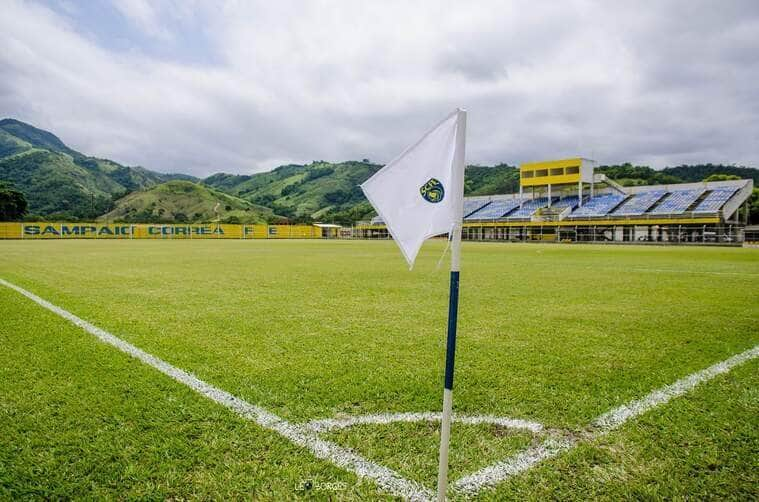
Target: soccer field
column 552, row 339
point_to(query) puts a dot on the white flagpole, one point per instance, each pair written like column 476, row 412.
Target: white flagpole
column 453, row 304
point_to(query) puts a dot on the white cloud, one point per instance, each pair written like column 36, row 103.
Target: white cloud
column 144, row 15
column 296, row 81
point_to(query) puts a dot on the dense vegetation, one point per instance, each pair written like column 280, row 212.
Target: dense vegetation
column 485, row 180
column 58, row 188
column 628, row 174
column 12, row 203
column 698, row 172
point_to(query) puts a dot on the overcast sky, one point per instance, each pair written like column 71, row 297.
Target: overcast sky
column 202, row 87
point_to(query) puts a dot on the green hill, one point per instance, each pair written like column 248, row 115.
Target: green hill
column 61, row 183
column 182, row 201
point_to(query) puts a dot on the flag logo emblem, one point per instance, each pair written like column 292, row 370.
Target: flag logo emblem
column 432, row 191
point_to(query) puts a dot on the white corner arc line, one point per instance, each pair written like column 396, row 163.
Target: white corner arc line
column 333, row 424
column 496, row 473
column 345, row 458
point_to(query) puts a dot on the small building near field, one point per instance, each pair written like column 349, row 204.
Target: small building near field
column 329, row 230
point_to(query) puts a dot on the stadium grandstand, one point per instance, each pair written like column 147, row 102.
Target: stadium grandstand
column 566, row 200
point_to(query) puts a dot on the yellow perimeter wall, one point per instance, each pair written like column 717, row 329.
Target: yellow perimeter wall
column 42, row 230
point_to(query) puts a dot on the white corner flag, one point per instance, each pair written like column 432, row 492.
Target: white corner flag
column 420, row 194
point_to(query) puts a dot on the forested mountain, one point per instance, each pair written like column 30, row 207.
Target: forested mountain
column 59, row 182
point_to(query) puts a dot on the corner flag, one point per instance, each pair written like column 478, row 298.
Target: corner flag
column 420, row 194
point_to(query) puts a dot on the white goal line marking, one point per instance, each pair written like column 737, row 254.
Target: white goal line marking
column 387, row 479
column 306, row 435
column 500, row 471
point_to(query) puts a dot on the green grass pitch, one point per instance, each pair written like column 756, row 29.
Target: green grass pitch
column 316, row 329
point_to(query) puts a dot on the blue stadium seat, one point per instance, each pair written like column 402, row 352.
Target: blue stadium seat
column 494, row 210
column 571, row 201
column 528, row 208
column 639, row 203
column 599, row 205
column 472, row 205
column 677, row 202
column 715, row 200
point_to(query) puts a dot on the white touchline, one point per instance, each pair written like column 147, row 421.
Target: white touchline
column 500, row 471
column 386, row 478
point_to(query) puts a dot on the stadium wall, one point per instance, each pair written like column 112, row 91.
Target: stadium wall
column 47, row 230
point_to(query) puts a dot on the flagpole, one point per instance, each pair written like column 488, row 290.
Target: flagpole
column 453, row 306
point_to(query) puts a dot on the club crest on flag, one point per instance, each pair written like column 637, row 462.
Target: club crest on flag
column 432, row 191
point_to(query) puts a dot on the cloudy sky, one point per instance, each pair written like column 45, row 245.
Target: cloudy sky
column 244, row 86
